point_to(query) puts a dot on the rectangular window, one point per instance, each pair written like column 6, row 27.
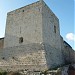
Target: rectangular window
column 55, row 29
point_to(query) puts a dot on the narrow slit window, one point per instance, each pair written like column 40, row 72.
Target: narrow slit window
column 55, row 29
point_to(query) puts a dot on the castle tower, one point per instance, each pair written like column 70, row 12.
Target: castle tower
column 34, row 29
column 34, row 23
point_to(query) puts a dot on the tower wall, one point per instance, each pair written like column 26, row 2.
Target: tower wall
column 51, row 37
column 29, row 56
column 29, row 27
column 1, row 43
column 25, row 22
column 35, row 23
column 50, row 27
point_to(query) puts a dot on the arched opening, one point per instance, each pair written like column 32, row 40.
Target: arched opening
column 21, row 40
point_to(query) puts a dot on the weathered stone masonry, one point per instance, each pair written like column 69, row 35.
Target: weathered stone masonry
column 32, row 40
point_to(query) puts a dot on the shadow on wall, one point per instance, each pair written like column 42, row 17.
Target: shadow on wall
column 71, row 70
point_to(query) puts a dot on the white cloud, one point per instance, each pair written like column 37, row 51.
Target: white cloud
column 70, row 37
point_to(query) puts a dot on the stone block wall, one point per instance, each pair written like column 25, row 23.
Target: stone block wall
column 25, row 22
column 35, row 23
column 1, row 43
column 28, row 26
column 30, row 56
column 51, row 35
column 32, row 40
column 67, row 52
column 50, row 27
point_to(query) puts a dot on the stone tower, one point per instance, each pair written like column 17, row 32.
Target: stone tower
column 34, row 23
column 32, row 36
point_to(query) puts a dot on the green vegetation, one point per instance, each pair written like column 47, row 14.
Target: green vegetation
column 3, row 73
column 9, row 73
column 14, row 73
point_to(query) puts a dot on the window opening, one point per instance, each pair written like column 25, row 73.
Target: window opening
column 55, row 29
column 21, row 40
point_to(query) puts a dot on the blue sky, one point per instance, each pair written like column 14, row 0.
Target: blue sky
column 64, row 10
